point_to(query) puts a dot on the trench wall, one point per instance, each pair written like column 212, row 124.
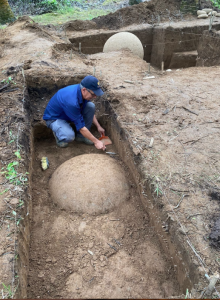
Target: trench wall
column 94, row 43
column 174, row 247
column 169, row 40
column 208, row 49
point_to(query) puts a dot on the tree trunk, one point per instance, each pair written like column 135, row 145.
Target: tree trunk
column 6, row 14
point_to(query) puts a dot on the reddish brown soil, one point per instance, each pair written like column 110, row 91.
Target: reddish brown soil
column 173, row 182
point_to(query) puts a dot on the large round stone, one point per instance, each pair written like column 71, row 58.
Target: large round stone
column 89, row 183
column 122, row 40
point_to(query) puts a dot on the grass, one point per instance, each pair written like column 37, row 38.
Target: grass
column 109, row 2
column 7, row 292
column 65, row 15
column 3, row 26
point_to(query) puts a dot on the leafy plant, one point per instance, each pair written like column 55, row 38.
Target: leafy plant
column 21, row 203
column 49, row 5
column 17, row 154
column 157, row 190
column 8, row 291
column 8, row 80
column 10, row 172
column 4, row 192
column 12, row 175
column 12, row 137
column 216, row 3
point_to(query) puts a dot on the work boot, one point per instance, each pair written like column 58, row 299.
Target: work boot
column 82, row 139
column 60, row 143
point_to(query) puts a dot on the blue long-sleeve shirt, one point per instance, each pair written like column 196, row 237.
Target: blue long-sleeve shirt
column 67, row 104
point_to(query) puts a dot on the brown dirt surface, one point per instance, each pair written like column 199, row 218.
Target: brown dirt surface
column 165, row 133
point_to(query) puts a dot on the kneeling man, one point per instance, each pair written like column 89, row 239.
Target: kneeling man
column 73, row 104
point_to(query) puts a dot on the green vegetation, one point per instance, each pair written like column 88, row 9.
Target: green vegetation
column 57, row 12
column 11, row 173
column 67, row 14
column 6, row 14
column 7, row 291
column 8, row 80
column 109, row 2
column 216, row 3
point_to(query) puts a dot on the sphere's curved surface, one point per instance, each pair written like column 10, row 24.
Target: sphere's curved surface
column 89, row 183
column 122, row 40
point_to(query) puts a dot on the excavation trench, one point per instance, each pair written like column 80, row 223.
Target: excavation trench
column 124, row 253
column 176, row 45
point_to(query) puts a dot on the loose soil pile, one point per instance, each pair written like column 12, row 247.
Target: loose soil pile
column 146, row 12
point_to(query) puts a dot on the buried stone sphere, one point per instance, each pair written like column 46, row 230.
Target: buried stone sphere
column 89, row 183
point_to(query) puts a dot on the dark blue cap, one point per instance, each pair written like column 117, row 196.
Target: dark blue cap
column 92, row 83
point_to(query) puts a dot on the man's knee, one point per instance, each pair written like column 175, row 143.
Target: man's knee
column 70, row 136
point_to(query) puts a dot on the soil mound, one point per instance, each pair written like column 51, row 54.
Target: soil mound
column 79, row 25
column 89, row 183
column 146, row 12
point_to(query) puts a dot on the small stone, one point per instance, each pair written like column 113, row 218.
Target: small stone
column 14, row 201
column 195, row 262
column 48, row 260
column 41, row 274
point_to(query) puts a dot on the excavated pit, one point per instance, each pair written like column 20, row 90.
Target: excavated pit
column 134, row 251
column 121, row 254
column 174, row 44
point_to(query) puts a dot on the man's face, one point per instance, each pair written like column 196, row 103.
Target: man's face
column 88, row 94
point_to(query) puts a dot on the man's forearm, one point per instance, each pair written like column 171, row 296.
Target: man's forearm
column 95, row 121
column 87, row 134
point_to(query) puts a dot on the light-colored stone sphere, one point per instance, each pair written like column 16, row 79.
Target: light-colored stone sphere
column 123, row 40
column 89, row 183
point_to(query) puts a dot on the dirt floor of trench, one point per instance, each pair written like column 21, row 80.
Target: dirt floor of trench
column 114, row 255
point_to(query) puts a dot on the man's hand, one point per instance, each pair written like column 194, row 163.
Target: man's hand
column 101, row 130
column 99, row 145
